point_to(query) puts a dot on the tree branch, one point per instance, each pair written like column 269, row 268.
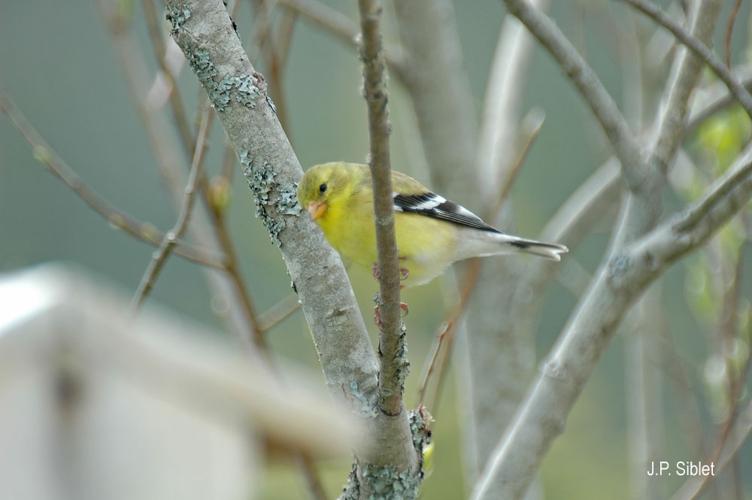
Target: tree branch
column 625, row 276
column 501, row 108
column 740, row 433
column 685, row 232
column 391, row 343
column 699, row 49
column 170, row 161
column 143, row 231
column 589, row 86
column 718, row 98
column 160, row 52
column 344, row 29
column 204, row 32
column 440, row 93
column 541, row 418
column 674, row 109
column 160, row 257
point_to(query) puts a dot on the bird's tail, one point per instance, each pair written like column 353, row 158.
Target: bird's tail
column 552, row 251
column 486, row 243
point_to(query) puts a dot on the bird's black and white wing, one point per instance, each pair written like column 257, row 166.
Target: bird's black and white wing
column 488, row 241
column 437, row 207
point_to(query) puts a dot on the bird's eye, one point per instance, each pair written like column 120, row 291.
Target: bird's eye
column 322, row 188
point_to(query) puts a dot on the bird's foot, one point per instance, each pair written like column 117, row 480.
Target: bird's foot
column 377, row 313
column 404, row 273
column 376, row 272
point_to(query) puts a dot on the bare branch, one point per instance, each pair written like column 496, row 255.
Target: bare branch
column 267, row 46
column 531, row 126
column 699, row 49
column 738, row 434
column 732, row 180
column 391, row 341
column 238, row 93
column 569, row 225
column 168, row 243
column 500, row 112
column 204, row 32
column 160, row 53
column 675, row 104
column 625, row 277
column 344, row 29
column 439, row 359
column 718, row 98
column 170, row 161
column 433, row 374
column 278, row 312
column 143, row 231
column 685, row 232
column 541, row 418
column 730, row 30
column 440, row 93
column 591, row 89
column 240, row 293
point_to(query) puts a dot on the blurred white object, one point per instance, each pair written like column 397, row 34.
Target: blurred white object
column 98, row 405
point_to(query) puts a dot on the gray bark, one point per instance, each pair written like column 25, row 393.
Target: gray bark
column 204, row 31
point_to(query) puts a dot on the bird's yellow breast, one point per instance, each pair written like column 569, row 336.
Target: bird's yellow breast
column 426, row 246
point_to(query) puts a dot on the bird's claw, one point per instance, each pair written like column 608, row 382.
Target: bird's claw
column 376, row 272
column 377, row 313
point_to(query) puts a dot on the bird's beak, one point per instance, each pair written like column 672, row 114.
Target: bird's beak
column 316, row 209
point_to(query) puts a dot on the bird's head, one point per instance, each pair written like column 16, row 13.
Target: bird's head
column 320, row 186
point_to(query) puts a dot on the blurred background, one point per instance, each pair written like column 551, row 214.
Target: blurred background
column 58, row 63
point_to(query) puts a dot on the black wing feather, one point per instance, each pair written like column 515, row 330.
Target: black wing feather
column 437, row 207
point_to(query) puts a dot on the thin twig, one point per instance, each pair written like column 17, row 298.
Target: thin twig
column 720, row 190
column 286, row 30
column 222, row 234
column 228, row 164
column 168, row 243
column 740, row 427
column 312, row 478
column 445, row 336
column 501, row 107
column 391, row 340
column 266, row 43
column 532, row 125
column 117, row 218
column 719, row 98
column 133, row 65
column 344, row 29
column 699, row 49
column 730, row 30
column 160, row 53
column 589, row 86
column 444, row 339
column 736, row 383
column 278, row 312
column 629, row 272
column 347, row 357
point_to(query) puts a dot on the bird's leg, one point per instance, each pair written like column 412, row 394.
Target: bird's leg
column 377, row 307
column 404, row 308
column 377, row 316
column 377, row 310
column 404, row 273
column 376, row 271
column 377, row 313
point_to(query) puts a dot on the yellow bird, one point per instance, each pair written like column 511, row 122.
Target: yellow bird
column 431, row 231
